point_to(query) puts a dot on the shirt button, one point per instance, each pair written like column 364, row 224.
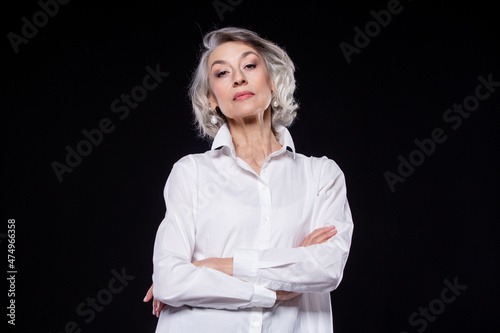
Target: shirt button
column 255, row 323
column 267, row 218
column 263, row 187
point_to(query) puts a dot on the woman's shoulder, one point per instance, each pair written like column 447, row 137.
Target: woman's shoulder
column 185, row 169
column 322, row 170
column 189, row 160
column 192, row 161
column 322, row 163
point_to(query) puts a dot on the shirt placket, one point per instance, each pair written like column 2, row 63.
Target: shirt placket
column 265, row 208
column 264, row 235
column 256, row 320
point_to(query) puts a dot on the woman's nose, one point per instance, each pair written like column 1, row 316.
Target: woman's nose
column 239, row 79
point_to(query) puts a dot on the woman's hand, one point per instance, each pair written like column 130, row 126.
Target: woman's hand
column 157, row 305
column 282, row 295
column 319, row 235
column 224, row 265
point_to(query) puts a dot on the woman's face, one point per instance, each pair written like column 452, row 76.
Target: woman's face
column 239, row 81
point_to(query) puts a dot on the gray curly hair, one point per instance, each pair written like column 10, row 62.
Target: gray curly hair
column 280, row 68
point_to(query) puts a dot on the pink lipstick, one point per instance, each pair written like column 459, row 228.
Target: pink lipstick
column 242, row 95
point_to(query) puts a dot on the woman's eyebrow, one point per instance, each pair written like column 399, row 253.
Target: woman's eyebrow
column 243, row 55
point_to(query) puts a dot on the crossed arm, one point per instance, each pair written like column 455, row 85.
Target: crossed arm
column 225, row 265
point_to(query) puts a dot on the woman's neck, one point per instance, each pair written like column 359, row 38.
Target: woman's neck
column 253, row 139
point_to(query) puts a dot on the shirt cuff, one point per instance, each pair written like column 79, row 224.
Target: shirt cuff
column 245, row 264
column 263, row 297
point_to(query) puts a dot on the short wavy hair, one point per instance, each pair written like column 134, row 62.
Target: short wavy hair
column 280, row 68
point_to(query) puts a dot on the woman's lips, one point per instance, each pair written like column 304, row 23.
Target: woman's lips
column 242, row 95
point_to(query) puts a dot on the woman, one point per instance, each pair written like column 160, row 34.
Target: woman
column 255, row 236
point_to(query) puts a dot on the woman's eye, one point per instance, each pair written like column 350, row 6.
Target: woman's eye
column 250, row 66
column 221, row 73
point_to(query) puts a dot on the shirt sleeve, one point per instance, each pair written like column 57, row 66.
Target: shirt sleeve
column 317, row 268
column 176, row 281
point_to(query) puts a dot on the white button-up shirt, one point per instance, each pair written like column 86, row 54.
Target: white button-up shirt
column 217, row 206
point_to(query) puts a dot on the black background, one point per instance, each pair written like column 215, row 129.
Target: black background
column 441, row 223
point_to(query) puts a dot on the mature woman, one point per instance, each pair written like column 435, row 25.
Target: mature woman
column 255, row 236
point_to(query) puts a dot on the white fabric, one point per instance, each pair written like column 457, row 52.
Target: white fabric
column 217, row 206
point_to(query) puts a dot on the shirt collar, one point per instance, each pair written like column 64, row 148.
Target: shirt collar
column 223, row 139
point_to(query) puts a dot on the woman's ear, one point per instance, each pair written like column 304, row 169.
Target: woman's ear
column 212, row 101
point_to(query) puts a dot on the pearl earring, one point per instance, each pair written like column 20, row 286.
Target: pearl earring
column 275, row 104
column 213, row 120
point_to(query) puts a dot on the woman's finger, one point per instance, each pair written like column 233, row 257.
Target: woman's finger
column 319, row 235
column 312, row 238
column 149, row 295
column 159, row 306
column 325, row 235
column 155, row 307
